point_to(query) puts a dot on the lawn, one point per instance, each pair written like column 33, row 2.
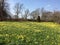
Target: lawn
column 29, row 33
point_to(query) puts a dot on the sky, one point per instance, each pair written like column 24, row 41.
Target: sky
column 34, row 4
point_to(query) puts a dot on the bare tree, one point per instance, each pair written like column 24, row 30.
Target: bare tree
column 34, row 14
column 4, row 4
column 26, row 13
column 56, row 16
column 46, row 16
column 18, row 9
column 3, row 9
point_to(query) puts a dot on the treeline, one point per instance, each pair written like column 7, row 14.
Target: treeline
column 51, row 16
column 22, row 14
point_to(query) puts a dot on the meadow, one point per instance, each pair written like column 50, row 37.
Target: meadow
column 29, row 33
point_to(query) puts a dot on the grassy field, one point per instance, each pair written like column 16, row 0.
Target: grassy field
column 29, row 33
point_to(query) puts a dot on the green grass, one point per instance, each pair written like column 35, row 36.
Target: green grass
column 29, row 33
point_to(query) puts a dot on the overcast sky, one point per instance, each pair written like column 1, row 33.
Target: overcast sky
column 34, row 4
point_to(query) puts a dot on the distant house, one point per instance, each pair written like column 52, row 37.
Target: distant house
column 15, row 17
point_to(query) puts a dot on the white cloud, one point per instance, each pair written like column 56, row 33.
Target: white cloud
column 47, row 6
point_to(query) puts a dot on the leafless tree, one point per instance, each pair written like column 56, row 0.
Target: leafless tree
column 56, row 16
column 47, row 16
column 34, row 14
column 18, row 9
column 3, row 9
column 26, row 13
